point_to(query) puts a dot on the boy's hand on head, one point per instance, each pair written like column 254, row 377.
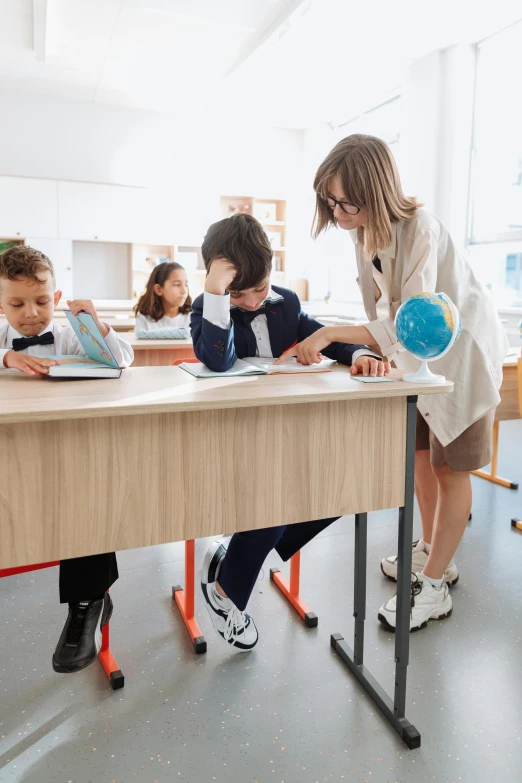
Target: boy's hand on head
column 86, row 306
column 309, row 351
column 31, row 365
column 219, row 276
column 369, row 365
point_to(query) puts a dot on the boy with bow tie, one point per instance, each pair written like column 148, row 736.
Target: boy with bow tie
column 28, row 297
column 240, row 315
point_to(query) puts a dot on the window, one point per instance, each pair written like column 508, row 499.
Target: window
column 496, row 198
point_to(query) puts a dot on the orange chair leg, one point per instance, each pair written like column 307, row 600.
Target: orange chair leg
column 493, row 476
column 185, row 599
column 107, row 660
column 291, row 591
column 112, row 670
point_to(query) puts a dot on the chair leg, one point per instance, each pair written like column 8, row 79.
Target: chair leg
column 493, row 475
column 185, row 599
column 107, row 660
column 291, row 591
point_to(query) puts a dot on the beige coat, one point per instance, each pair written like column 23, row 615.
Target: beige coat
column 421, row 258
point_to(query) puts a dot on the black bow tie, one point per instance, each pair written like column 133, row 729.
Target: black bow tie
column 20, row 343
column 246, row 317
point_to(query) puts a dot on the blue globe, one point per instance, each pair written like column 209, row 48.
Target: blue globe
column 427, row 325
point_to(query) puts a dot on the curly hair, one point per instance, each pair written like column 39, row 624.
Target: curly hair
column 25, row 263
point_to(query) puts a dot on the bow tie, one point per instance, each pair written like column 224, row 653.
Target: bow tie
column 20, row 343
column 246, row 317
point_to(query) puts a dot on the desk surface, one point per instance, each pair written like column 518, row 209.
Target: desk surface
column 168, row 390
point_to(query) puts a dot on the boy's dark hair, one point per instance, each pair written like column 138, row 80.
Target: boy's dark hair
column 150, row 303
column 241, row 240
column 23, row 262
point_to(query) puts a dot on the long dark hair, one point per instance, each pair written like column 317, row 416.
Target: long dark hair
column 150, row 303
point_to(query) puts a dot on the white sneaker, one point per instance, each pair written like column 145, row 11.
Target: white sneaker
column 212, row 562
column 235, row 627
column 419, row 557
column 427, row 603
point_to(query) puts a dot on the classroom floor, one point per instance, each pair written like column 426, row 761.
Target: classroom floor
column 289, row 711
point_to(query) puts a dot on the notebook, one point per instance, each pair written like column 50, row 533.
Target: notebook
column 99, row 362
column 256, row 366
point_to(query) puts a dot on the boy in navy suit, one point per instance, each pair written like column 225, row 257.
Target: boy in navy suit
column 240, row 315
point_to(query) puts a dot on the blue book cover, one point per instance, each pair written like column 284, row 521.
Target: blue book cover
column 91, row 339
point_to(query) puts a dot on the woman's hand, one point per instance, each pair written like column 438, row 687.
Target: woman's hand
column 369, row 365
column 309, row 351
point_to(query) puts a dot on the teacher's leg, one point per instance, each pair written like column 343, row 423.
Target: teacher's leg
column 451, row 519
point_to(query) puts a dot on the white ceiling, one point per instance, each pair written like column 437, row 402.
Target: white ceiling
column 285, row 62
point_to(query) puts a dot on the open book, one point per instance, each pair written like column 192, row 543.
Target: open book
column 256, row 366
column 99, row 362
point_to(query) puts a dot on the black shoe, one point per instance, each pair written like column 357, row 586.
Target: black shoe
column 81, row 639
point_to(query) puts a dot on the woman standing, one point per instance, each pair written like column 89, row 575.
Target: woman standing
column 404, row 250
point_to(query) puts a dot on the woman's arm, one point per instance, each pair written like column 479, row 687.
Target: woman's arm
column 308, row 351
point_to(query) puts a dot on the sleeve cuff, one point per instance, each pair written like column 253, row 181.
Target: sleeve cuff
column 364, row 352
column 385, row 339
column 216, row 309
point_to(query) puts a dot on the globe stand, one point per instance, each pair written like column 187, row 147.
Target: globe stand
column 424, row 375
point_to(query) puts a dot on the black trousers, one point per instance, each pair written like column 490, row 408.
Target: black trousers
column 85, row 578
column 247, row 552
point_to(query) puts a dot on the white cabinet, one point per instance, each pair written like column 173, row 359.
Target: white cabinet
column 108, row 213
column 60, row 252
column 28, row 207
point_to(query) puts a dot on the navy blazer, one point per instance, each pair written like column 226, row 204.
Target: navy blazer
column 287, row 325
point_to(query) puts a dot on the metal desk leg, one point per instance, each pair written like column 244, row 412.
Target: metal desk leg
column 394, row 711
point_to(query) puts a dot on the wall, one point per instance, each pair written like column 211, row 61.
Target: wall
column 185, row 164
column 436, row 134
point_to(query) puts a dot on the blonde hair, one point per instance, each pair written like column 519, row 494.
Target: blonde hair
column 370, row 179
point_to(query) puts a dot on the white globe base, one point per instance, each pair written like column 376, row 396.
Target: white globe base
column 423, row 375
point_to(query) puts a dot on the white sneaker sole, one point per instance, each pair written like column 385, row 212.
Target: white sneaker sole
column 424, row 624
column 209, row 570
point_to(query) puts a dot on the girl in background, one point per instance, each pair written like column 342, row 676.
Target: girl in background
column 166, row 303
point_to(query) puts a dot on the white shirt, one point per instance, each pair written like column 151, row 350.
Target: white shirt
column 423, row 258
column 148, row 324
column 216, row 309
column 65, row 344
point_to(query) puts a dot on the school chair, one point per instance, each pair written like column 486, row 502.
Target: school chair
column 517, row 523
column 106, row 658
column 184, row 597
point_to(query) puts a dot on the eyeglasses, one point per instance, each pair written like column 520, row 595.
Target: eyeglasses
column 348, row 208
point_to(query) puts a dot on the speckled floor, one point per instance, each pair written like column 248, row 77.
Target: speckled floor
column 289, row 711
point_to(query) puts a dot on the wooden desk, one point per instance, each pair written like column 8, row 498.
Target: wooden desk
column 158, row 353
column 159, row 456
column 507, row 410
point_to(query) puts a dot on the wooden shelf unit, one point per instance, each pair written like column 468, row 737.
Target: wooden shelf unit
column 271, row 213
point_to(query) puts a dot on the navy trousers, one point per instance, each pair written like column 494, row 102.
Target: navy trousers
column 85, row 578
column 247, row 552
